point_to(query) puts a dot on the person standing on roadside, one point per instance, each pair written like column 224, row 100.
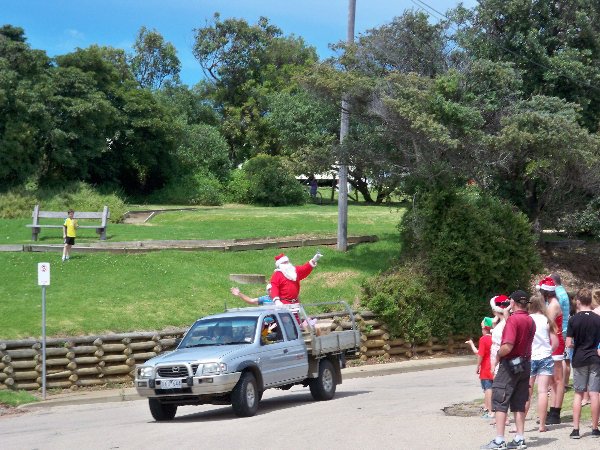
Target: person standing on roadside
column 542, row 364
column 583, row 335
column 484, row 369
column 499, row 305
column 511, row 384
column 69, row 234
column 565, row 306
column 547, row 288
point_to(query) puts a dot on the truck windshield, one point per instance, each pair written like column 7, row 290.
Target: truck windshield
column 223, row 331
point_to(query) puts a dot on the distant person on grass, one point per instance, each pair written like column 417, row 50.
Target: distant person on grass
column 583, row 335
column 69, row 234
column 484, row 367
column 259, row 301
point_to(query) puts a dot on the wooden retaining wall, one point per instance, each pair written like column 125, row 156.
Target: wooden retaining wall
column 80, row 361
column 77, row 362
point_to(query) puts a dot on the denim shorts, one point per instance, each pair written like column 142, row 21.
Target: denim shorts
column 542, row 366
column 486, row 384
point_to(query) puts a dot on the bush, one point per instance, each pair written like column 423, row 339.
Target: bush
column 19, row 203
column 403, row 300
column 265, row 180
column 200, row 189
column 471, row 246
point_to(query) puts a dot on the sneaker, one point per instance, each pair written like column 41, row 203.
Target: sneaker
column 493, row 445
column 574, row 434
column 596, row 432
column 488, row 415
column 553, row 419
column 517, row 444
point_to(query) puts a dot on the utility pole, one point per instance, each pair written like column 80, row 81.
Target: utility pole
column 342, row 234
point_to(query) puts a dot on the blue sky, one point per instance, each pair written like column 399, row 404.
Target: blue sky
column 60, row 26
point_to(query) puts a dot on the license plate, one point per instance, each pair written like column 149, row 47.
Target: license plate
column 170, row 384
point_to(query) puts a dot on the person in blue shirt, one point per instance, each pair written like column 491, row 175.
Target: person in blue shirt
column 259, row 301
column 565, row 306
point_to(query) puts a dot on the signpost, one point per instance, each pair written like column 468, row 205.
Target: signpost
column 43, row 281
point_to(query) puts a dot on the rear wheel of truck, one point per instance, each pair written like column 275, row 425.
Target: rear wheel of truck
column 245, row 396
column 323, row 387
column 161, row 412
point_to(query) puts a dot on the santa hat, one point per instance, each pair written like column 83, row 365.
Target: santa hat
column 499, row 303
column 281, row 259
column 547, row 284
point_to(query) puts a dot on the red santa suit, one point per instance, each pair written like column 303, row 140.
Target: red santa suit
column 285, row 285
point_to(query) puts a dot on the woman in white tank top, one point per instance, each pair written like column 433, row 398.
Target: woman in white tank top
column 544, row 342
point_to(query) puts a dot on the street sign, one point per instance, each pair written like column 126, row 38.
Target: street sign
column 44, row 274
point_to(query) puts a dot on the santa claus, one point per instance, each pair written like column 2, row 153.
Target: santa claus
column 285, row 282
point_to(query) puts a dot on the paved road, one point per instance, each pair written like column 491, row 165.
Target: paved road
column 401, row 411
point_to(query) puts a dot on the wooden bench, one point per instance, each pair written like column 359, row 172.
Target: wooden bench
column 36, row 226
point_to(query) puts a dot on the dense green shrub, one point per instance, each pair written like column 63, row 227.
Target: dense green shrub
column 404, row 301
column 19, row 203
column 203, row 188
column 471, row 246
column 266, row 180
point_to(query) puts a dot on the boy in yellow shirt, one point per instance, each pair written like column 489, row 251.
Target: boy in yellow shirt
column 69, row 234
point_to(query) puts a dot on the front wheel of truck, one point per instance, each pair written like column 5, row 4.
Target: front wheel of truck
column 245, row 396
column 161, row 412
column 323, row 387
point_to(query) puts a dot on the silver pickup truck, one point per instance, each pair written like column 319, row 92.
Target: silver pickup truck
column 233, row 357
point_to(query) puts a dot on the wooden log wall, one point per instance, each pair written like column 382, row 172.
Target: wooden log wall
column 376, row 341
column 77, row 362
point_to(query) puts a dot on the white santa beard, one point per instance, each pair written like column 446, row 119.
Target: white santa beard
column 288, row 271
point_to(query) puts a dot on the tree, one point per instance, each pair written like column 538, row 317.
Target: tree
column 23, row 113
column 154, row 61
column 555, row 45
column 245, row 63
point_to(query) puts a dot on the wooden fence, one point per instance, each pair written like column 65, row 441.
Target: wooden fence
column 77, row 362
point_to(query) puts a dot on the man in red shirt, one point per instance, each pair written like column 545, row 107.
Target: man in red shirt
column 285, row 281
column 511, row 385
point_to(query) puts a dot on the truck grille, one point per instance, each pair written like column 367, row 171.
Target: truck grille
column 173, row 372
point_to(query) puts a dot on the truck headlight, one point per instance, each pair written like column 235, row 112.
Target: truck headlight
column 145, row 372
column 214, row 368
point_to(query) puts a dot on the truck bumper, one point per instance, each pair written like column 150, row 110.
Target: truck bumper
column 217, row 384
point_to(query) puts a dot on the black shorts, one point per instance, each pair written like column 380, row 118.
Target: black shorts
column 70, row 240
column 510, row 389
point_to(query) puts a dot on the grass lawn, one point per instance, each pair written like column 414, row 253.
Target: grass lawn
column 103, row 292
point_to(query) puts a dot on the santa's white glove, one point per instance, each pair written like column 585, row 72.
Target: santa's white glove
column 278, row 302
column 315, row 258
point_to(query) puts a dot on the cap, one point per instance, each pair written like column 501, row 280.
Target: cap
column 520, row 297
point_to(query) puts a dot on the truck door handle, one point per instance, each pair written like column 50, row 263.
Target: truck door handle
column 285, row 350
